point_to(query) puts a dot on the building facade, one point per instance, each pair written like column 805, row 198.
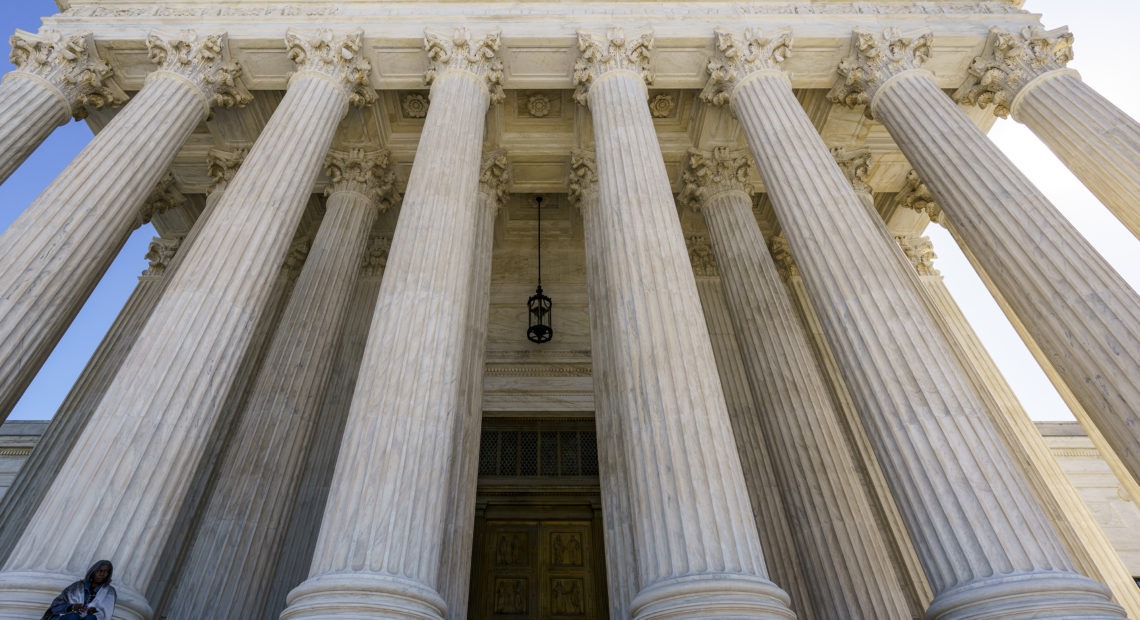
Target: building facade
column 759, row 401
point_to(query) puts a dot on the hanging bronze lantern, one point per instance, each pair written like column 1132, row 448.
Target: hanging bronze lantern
column 539, row 306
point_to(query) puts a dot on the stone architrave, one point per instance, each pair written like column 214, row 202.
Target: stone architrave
column 258, row 479
column 621, row 560
column 379, row 552
column 57, row 77
column 968, row 511
column 845, row 557
column 1084, row 316
column 1023, row 74
column 455, row 571
column 55, row 252
column 698, row 551
column 162, row 424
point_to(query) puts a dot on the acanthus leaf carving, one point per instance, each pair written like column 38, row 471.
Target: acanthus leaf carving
column 336, row 56
column 875, row 59
column 223, row 164
column 160, row 253
column 920, row 252
column 855, row 162
column 917, row 197
column 376, row 258
column 163, row 198
column 495, row 176
column 462, row 52
column 738, row 57
column 600, row 54
column 203, row 61
column 1011, row 61
column 708, row 173
column 70, row 63
column 364, row 172
column 701, row 255
column 782, row 256
column 582, row 184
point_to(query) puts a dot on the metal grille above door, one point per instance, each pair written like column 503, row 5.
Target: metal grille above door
column 514, row 450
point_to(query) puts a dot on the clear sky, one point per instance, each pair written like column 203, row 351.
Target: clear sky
column 1105, row 54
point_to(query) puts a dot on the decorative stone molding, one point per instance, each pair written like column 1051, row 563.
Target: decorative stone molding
column 295, row 258
column 495, row 177
column 855, row 162
column 164, row 197
column 876, row 59
column 782, row 256
column 222, row 165
column 159, row 254
column 917, row 197
column 364, row 172
column 71, row 65
column 1010, row 62
column 920, row 251
column 538, row 105
column 336, row 57
column 612, row 52
column 708, row 173
column 736, row 58
column 461, row 52
column 701, row 256
column 203, row 61
column 583, row 180
column 661, row 105
column 414, row 105
column 376, row 259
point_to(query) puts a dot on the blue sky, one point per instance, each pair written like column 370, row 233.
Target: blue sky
column 1105, row 55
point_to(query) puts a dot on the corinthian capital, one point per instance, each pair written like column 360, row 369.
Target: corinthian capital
column 376, row 258
column 160, row 253
column 1010, row 61
column 363, row 172
column 855, row 163
column 782, row 256
column 203, row 61
column 583, row 181
column 920, row 251
column 708, row 173
column 71, row 65
column 877, row 58
column 737, row 58
column 163, row 198
column 495, row 176
column 600, row 54
column 222, row 165
column 335, row 57
column 917, row 197
column 701, row 255
column 461, row 52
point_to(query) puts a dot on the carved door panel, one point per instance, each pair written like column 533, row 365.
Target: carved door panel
column 565, row 562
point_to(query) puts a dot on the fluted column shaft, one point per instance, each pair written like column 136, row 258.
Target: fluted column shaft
column 694, row 534
column 30, row 109
column 207, row 314
column 233, row 558
column 54, row 253
column 1078, row 309
column 379, row 552
column 967, row 510
column 785, row 565
column 819, row 477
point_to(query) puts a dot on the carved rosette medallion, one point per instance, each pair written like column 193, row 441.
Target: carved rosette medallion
column 876, row 59
column 376, row 258
column 920, row 252
column 582, row 186
column 414, row 105
column 538, row 106
column 917, row 197
column 336, row 57
column 738, row 57
column 363, row 172
column 70, row 64
column 855, row 163
column 612, row 52
column 782, row 256
column 701, row 256
column 203, row 61
column 159, row 255
column 1011, row 61
column 222, row 165
column 164, row 198
column 708, row 173
column 495, row 177
column 462, row 52
column 661, row 105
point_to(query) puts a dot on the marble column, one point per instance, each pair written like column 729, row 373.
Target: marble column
column 1023, row 74
column 232, row 560
column 455, row 571
column 698, row 551
column 379, row 551
column 162, row 407
column 57, row 77
column 843, row 551
column 621, row 559
column 1079, row 310
column 986, row 546
column 54, row 253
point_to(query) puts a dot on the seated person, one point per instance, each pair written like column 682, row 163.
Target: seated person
column 92, row 598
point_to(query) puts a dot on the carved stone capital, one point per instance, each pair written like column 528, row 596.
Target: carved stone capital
column 364, row 172
column 855, row 162
column 601, row 54
column 738, row 57
column 701, row 255
column 203, row 61
column 295, row 258
column 461, row 52
column 782, row 256
column 708, row 173
column 164, row 198
column 920, row 251
column 917, row 197
column 495, row 177
column 335, row 56
column 376, row 258
column 1010, row 61
column 160, row 253
column 70, row 64
column 876, row 58
column 223, row 164
column 583, row 181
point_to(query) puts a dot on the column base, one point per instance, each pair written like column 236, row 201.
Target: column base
column 720, row 596
column 27, row 594
column 363, row 595
column 1026, row 595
